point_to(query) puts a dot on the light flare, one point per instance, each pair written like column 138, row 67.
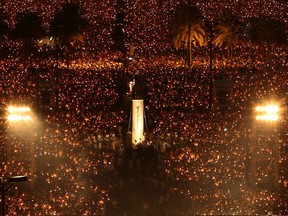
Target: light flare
column 267, row 113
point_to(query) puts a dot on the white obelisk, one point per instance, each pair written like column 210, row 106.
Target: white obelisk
column 137, row 121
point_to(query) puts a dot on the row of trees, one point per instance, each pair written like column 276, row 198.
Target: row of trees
column 66, row 27
column 189, row 28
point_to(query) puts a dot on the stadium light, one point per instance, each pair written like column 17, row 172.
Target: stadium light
column 16, row 113
column 268, row 113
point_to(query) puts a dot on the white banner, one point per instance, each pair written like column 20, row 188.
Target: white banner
column 137, row 121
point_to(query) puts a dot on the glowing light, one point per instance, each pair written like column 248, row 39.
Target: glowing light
column 137, row 122
column 19, row 114
column 267, row 113
column 12, row 109
column 267, row 117
column 19, row 117
column 268, row 109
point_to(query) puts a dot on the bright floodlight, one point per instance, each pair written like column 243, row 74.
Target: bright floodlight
column 267, row 113
column 19, row 113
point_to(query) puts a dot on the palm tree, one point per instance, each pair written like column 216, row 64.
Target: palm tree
column 4, row 29
column 67, row 26
column 118, row 32
column 229, row 32
column 265, row 32
column 283, row 1
column 28, row 27
column 187, row 29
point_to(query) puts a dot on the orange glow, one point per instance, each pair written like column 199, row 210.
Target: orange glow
column 19, row 114
column 267, row 113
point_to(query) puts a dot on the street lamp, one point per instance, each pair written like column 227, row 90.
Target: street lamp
column 5, row 186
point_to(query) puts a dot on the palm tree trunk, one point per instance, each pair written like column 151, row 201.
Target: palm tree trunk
column 189, row 51
column 228, row 52
column 210, row 67
column 261, row 50
column 57, row 78
column 231, row 52
column 269, row 52
column 189, row 37
column 190, row 54
column 37, row 90
column 27, row 44
column 67, row 54
column 260, row 8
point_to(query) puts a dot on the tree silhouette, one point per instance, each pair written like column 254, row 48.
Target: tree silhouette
column 68, row 25
column 118, row 34
column 4, row 29
column 283, row 1
column 187, row 29
column 229, row 32
column 28, row 27
column 265, row 31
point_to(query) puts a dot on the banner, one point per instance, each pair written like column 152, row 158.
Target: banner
column 137, row 121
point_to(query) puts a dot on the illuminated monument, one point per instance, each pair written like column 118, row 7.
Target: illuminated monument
column 137, row 121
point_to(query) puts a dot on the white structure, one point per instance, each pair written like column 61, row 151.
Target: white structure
column 137, row 122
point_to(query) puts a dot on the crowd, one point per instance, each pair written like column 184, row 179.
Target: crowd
column 196, row 162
